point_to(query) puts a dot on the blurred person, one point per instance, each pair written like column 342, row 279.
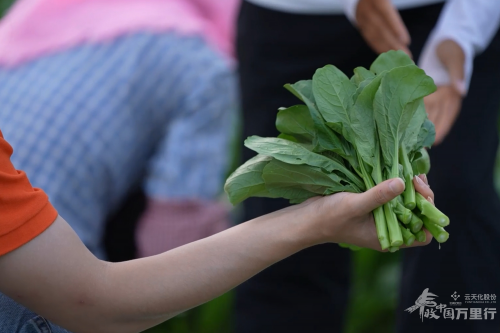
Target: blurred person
column 47, row 268
column 280, row 41
column 104, row 96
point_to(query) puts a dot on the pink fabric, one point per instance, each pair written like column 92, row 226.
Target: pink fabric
column 33, row 28
column 171, row 223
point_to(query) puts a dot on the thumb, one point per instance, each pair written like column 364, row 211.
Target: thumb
column 378, row 195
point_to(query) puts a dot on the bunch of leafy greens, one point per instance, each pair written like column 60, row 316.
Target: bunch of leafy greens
column 347, row 136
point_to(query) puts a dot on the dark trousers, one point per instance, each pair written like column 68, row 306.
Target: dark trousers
column 308, row 291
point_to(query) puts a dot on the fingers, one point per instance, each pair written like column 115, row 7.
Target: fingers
column 384, row 192
column 393, row 20
column 381, row 26
column 423, row 188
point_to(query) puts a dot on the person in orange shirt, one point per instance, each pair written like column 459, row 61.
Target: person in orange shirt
column 46, row 268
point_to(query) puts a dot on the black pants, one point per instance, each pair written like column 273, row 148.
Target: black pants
column 308, row 291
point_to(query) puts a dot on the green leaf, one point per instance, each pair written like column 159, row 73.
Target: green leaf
column 299, row 181
column 426, row 135
column 361, row 74
column 294, row 153
column 246, row 181
column 333, row 92
column 301, row 89
column 363, row 121
column 325, row 138
column 287, row 137
column 411, row 134
column 297, row 122
column 389, row 60
column 360, row 88
column 394, row 106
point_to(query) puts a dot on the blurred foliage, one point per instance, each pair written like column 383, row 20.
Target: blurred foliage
column 4, row 5
column 212, row 317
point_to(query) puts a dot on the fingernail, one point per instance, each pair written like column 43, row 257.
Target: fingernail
column 397, row 185
column 430, row 200
column 420, row 181
column 423, row 176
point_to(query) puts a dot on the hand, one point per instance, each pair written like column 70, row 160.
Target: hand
column 172, row 223
column 352, row 215
column 444, row 105
column 381, row 26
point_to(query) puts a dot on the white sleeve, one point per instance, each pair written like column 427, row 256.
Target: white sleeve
column 471, row 24
column 350, row 9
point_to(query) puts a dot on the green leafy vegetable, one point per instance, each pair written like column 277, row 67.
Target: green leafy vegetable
column 347, row 136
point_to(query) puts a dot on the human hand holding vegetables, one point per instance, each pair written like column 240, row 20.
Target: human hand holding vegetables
column 349, row 219
column 444, row 105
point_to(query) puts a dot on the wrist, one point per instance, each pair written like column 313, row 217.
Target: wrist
column 314, row 222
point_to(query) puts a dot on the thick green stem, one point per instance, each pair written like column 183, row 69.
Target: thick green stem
column 403, row 213
column 408, row 237
column 409, row 193
column 415, row 224
column 395, row 236
column 436, row 231
column 429, row 210
column 393, row 249
column 421, row 237
column 378, row 213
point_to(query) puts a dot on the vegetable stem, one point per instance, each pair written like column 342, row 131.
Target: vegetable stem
column 395, row 236
column 415, row 224
column 408, row 237
column 421, row 237
column 409, row 193
column 429, row 210
column 436, row 231
column 378, row 213
column 403, row 213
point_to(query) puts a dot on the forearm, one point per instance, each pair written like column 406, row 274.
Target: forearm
column 193, row 274
column 69, row 286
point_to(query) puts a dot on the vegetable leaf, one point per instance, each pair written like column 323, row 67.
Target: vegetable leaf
column 389, row 60
column 247, row 180
column 363, row 121
column 426, row 136
column 413, row 129
column 283, row 179
column 294, row 153
column 394, row 108
column 297, row 122
column 332, row 90
column 361, row 74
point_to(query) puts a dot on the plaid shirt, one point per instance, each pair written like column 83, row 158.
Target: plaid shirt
column 89, row 123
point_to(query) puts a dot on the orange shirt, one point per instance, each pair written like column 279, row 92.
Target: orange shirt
column 25, row 212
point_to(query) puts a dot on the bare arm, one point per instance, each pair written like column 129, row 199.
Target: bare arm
column 57, row 277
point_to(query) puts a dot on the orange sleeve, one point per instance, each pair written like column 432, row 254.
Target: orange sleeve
column 25, row 212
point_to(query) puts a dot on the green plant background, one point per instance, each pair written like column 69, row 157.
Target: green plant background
column 374, row 288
